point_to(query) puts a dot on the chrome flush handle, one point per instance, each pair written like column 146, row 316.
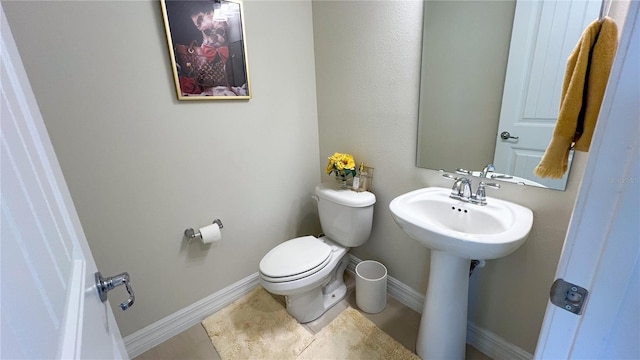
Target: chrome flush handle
column 104, row 285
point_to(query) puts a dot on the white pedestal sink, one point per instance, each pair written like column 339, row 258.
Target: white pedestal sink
column 456, row 232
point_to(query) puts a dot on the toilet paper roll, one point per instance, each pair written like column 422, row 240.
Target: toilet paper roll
column 210, row 233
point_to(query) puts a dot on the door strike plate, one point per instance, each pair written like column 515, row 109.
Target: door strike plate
column 568, row 296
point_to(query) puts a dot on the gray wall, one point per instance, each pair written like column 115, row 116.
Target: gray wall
column 368, row 105
column 142, row 166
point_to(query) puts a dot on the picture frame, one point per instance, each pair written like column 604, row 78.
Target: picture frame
column 207, row 46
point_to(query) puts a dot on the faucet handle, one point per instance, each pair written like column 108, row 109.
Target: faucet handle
column 481, row 196
column 491, row 185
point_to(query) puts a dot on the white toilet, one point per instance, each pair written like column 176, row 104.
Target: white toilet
column 308, row 270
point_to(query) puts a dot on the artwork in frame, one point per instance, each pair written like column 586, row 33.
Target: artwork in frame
column 207, row 47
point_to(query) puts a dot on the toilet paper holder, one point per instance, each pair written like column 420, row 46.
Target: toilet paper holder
column 192, row 234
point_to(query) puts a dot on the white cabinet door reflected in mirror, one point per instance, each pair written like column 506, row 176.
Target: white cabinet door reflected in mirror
column 544, row 34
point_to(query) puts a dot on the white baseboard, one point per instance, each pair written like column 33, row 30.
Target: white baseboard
column 493, row 345
column 144, row 339
column 484, row 340
column 172, row 325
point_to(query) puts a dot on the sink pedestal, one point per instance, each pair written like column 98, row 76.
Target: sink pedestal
column 455, row 231
column 443, row 326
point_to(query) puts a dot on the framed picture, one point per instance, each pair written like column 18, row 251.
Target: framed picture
column 208, row 51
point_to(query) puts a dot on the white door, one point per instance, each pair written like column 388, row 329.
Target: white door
column 49, row 302
column 544, row 34
column 602, row 248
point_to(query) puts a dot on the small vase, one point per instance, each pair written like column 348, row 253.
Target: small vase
column 342, row 183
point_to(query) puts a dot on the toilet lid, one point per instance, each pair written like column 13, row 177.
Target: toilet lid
column 295, row 256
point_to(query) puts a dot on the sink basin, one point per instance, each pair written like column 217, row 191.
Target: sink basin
column 466, row 230
column 455, row 231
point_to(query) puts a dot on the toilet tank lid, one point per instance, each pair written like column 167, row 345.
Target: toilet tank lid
column 329, row 191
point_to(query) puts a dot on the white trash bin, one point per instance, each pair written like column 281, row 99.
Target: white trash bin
column 371, row 286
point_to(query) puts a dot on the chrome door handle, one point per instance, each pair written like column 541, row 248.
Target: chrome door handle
column 104, row 285
column 506, row 136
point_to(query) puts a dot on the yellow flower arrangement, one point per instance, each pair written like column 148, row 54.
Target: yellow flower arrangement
column 342, row 165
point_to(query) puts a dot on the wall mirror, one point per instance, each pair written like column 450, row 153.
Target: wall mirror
column 491, row 81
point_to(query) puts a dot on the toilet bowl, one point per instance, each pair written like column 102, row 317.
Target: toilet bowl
column 310, row 287
column 309, row 271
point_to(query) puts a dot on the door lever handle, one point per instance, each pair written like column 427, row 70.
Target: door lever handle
column 505, row 135
column 104, row 285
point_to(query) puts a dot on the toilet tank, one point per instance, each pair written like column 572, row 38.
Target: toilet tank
column 346, row 216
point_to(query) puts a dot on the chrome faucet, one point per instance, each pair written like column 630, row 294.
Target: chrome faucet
column 487, row 169
column 461, row 190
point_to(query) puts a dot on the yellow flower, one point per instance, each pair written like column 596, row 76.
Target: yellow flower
column 341, row 164
column 330, row 167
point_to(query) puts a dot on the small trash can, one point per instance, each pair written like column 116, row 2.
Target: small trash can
column 371, row 286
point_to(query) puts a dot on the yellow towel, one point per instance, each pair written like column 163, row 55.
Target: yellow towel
column 585, row 81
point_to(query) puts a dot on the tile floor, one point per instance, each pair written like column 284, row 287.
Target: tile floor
column 397, row 320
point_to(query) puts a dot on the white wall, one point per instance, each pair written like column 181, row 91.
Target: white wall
column 367, row 73
column 142, row 166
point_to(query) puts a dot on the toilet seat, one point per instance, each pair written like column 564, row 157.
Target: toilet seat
column 295, row 259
